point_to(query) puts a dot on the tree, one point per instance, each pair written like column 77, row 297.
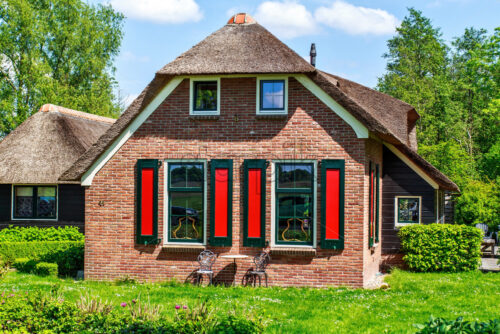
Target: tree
column 60, row 52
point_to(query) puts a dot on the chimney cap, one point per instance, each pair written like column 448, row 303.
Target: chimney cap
column 241, row 18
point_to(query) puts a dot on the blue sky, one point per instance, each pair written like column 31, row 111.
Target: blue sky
column 350, row 35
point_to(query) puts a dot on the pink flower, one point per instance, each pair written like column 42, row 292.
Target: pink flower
column 177, row 307
column 123, row 304
column 185, row 307
column 134, row 301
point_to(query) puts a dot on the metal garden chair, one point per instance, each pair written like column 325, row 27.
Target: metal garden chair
column 261, row 261
column 206, row 259
column 488, row 240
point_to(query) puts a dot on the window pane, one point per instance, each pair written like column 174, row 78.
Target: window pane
column 186, row 175
column 205, row 95
column 295, row 230
column 46, row 202
column 23, row 202
column 295, row 205
column 295, row 175
column 408, row 210
column 273, row 94
column 186, row 215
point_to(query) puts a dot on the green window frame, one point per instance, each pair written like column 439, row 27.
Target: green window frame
column 295, row 193
column 325, row 165
column 416, row 211
column 197, row 98
column 190, row 221
column 221, row 241
column 254, row 164
column 147, row 239
column 261, row 96
column 36, row 201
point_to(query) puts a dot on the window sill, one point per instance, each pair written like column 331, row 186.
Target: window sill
column 213, row 117
column 272, row 116
column 300, row 251
column 183, row 248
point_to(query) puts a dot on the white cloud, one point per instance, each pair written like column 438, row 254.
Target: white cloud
column 286, row 19
column 357, row 20
column 160, row 11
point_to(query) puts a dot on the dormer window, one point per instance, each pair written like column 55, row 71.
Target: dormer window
column 205, row 96
column 272, row 97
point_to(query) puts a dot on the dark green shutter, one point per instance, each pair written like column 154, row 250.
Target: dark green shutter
column 371, row 180
column 337, row 241
column 151, row 237
column 215, row 238
column 247, row 240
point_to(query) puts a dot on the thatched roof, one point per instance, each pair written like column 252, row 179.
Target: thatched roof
column 45, row 145
column 245, row 47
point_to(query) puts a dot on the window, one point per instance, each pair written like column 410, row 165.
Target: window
column 272, row 97
column 186, row 201
column 205, row 96
column 35, row 202
column 294, row 203
column 408, row 210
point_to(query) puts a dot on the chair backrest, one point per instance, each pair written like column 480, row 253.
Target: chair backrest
column 483, row 227
column 206, row 259
column 261, row 261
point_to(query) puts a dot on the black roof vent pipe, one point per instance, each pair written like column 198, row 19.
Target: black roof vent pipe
column 313, row 54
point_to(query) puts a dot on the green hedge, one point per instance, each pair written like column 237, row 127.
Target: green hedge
column 18, row 234
column 442, row 326
column 24, row 265
column 45, row 269
column 67, row 254
column 441, row 247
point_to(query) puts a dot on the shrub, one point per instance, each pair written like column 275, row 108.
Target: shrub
column 441, row 247
column 3, row 268
column 67, row 254
column 24, row 265
column 34, row 233
column 440, row 325
column 46, row 269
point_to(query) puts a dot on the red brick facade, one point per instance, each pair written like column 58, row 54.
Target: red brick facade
column 310, row 131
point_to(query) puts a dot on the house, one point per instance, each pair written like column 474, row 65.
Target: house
column 34, row 155
column 240, row 145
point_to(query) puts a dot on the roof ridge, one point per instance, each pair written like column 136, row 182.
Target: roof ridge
column 92, row 117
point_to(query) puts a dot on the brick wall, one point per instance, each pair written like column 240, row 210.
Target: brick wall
column 310, row 131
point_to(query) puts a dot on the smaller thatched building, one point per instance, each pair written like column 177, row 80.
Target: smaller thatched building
column 34, row 155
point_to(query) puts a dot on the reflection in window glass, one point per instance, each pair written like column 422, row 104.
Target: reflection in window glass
column 186, row 175
column 46, row 202
column 408, row 210
column 205, row 96
column 23, row 202
column 272, row 94
column 294, row 203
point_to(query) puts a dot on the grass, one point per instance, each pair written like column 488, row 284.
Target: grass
column 411, row 299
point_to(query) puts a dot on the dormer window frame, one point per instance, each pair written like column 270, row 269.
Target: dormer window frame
column 261, row 111
column 192, row 95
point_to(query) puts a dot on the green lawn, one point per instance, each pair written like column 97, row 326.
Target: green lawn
column 411, row 299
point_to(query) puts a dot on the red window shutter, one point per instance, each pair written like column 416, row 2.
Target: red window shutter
column 147, row 202
column 221, row 199
column 221, row 192
column 332, row 204
column 254, row 202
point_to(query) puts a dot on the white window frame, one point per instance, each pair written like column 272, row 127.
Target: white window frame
column 396, row 213
column 273, row 203
column 166, row 202
column 285, row 105
column 13, row 197
column 193, row 112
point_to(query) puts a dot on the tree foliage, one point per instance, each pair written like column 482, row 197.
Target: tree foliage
column 456, row 90
column 56, row 51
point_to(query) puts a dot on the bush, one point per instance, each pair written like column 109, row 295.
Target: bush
column 43, row 313
column 479, row 203
column 45, row 269
column 67, row 254
column 18, row 234
column 24, row 265
column 441, row 247
column 3, row 268
column 440, row 325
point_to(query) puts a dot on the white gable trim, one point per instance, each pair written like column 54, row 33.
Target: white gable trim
column 412, row 165
column 86, row 180
column 357, row 126
column 129, row 131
